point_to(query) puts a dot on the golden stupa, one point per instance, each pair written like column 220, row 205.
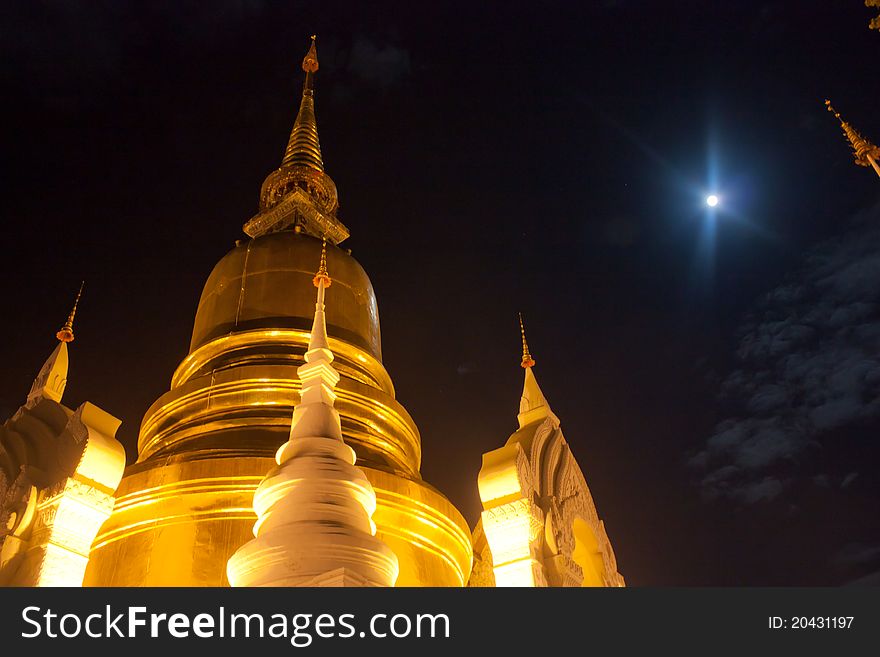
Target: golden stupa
column 185, row 506
column 188, row 504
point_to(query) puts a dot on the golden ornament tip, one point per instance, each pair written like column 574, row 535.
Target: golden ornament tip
column 864, row 152
column 832, row 110
column 310, row 61
column 527, row 360
column 65, row 333
column 322, row 275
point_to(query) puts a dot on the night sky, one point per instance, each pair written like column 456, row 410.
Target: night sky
column 717, row 373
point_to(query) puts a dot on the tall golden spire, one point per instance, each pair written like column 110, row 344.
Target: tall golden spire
column 299, row 195
column 864, row 152
column 65, row 334
column 527, row 360
column 303, row 148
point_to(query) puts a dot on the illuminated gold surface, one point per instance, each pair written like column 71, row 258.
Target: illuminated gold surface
column 214, row 409
column 267, row 283
column 177, row 523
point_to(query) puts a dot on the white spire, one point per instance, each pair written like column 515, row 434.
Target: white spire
column 314, row 510
column 52, row 379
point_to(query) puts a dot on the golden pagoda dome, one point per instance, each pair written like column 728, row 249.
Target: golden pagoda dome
column 204, row 445
column 265, row 283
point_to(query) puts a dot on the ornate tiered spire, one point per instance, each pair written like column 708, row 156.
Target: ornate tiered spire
column 65, row 333
column 533, row 405
column 304, row 148
column 864, row 152
column 314, row 510
column 299, row 194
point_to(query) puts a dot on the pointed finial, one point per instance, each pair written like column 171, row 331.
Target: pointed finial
column 322, row 275
column 304, row 147
column 527, row 360
column 865, row 153
column 832, row 110
column 65, row 334
column 310, row 61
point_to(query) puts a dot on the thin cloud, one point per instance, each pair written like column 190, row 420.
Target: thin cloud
column 380, row 65
column 808, row 362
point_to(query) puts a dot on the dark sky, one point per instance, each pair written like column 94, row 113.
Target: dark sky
column 717, row 376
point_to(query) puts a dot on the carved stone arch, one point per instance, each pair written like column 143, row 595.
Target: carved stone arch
column 587, row 553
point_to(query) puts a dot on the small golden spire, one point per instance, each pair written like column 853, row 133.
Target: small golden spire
column 865, row 153
column 322, row 275
column 65, row 334
column 310, row 61
column 527, row 360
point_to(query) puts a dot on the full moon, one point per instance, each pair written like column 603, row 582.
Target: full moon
column 711, row 200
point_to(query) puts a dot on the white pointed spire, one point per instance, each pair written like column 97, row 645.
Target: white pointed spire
column 315, row 415
column 314, row 510
column 52, row 379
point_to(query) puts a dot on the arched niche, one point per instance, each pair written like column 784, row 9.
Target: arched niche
column 587, row 553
